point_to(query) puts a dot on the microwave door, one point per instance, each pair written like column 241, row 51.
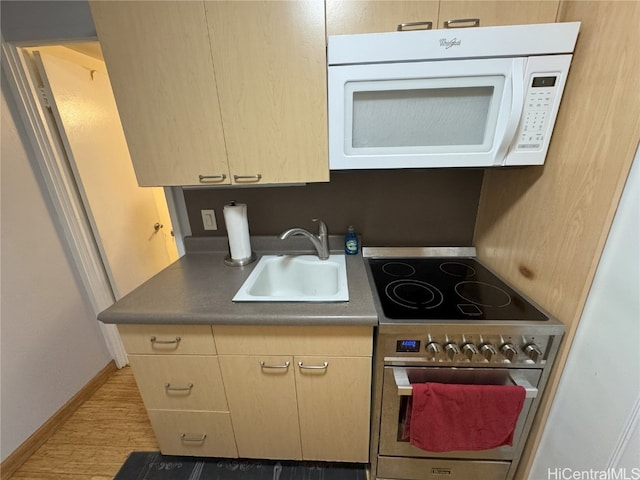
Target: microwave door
column 407, row 116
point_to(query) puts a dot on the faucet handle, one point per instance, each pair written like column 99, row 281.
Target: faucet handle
column 321, row 224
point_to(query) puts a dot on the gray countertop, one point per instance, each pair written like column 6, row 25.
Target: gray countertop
column 198, row 288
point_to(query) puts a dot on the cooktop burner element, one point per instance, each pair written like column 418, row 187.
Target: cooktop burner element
column 442, row 288
column 414, row 294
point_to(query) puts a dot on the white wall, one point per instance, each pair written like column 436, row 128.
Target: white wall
column 594, row 423
column 50, row 345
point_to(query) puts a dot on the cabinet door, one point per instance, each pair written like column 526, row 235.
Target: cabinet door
column 159, row 62
column 499, row 12
column 334, row 407
column 371, row 16
column 262, row 400
column 270, row 60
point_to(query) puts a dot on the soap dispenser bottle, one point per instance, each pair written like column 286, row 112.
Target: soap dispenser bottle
column 351, row 246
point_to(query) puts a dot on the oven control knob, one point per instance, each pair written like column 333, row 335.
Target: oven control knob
column 488, row 351
column 509, row 351
column 532, row 351
column 469, row 349
column 433, row 348
column 451, row 349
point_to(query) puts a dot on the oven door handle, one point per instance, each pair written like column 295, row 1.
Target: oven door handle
column 520, row 380
column 402, row 381
column 404, row 387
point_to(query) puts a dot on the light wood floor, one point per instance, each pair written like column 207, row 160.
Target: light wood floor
column 96, row 440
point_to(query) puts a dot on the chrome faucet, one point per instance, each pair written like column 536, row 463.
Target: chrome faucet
column 320, row 242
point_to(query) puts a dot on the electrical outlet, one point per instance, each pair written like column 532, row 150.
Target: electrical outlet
column 209, row 219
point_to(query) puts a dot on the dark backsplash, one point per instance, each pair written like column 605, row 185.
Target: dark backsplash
column 387, row 207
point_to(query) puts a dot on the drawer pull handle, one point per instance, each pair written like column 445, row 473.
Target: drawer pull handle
column 193, row 438
column 247, row 178
column 461, row 23
column 264, row 365
column 313, row 367
column 212, row 178
column 408, row 27
column 175, row 342
column 169, row 388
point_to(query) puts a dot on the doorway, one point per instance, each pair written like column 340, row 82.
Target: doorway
column 122, row 233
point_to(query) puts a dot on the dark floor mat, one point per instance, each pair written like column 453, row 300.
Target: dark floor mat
column 154, row 466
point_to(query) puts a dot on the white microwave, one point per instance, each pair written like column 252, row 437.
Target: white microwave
column 479, row 97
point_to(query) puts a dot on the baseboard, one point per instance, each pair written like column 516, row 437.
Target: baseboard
column 21, row 454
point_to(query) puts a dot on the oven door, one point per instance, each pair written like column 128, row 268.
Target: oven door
column 397, row 390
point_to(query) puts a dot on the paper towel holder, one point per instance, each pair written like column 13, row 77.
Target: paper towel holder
column 240, row 262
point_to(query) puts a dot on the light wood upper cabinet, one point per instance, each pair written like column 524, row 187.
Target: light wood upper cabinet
column 163, row 80
column 499, row 12
column 219, row 92
column 270, row 61
column 371, row 16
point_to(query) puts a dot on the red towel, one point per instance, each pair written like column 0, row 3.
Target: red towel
column 446, row 417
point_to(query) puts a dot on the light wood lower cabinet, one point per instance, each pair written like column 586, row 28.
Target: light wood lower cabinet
column 293, row 405
column 178, row 375
column 262, row 396
column 291, row 393
column 334, row 407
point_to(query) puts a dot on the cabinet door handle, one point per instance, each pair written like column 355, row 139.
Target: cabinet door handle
column 313, row 367
column 462, row 23
column 247, row 178
column 169, row 388
column 212, row 178
column 407, row 27
column 193, row 438
column 264, row 365
column 155, row 341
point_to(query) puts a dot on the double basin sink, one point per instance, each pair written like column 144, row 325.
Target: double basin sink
column 296, row 278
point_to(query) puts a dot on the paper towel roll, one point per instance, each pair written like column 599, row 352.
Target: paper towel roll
column 235, row 217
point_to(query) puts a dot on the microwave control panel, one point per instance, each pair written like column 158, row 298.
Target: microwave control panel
column 538, row 106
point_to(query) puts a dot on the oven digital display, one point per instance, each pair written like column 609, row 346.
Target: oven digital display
column 408, row 346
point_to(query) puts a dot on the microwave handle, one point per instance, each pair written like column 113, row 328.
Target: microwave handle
column 404, row 388
column 517, row 105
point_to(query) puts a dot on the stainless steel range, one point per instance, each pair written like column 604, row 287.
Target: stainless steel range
column 446, row 319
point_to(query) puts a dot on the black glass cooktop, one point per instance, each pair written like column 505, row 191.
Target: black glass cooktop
column 446, row 288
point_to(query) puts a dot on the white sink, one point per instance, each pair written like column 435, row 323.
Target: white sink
column 296, row 278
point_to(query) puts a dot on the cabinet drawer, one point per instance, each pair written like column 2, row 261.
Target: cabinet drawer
column 205, row 434
column 168, row 339
column 179, row 382
column 294, row 340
